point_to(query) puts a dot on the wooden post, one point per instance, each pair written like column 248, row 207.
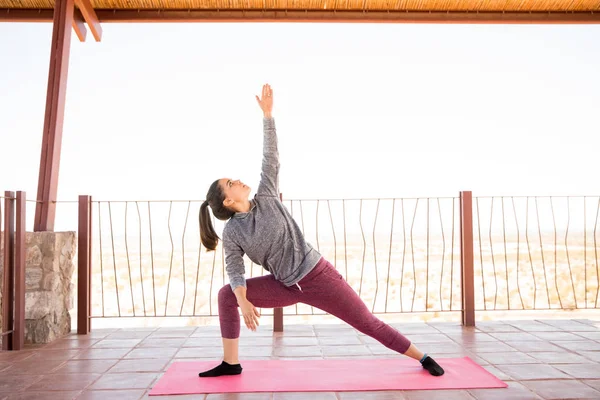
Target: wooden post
column 278, row 311
column 18, row 339
column 84, row 267
column 466, row 257
column 53, row 120
column 9, row 279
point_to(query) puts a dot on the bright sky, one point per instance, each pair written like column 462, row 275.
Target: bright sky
column 158, row 111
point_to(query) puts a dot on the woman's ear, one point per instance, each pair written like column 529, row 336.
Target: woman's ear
column 228, row 202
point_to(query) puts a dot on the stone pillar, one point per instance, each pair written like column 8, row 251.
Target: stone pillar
column 49, row 290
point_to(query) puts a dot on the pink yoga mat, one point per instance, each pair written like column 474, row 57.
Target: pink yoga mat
column 325, row 376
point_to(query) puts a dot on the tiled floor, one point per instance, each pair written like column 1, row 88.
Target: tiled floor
column 539, row 359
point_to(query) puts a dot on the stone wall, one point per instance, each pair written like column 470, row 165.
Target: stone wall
column 48, row 283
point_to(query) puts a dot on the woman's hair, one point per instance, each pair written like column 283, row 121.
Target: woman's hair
column 214, row 199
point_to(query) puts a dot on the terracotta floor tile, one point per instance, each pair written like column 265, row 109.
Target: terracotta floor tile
column 533, row 326
column 9, row 382
column 585, row 345
column 63, row 354
column 80, row 343
column 127, row 334
column 98, row 354
column 377, row 395
column 360, row 350
column 333, row 341
column 488, row 347
column 580, row 371
column 559, row 357
column 534, row 346
column 589, row 335
column 64, row 382
column 558, row 336
column 202, row 342
column 85, row 366
column 591, row 355
column 199, row 352
column 308, row 341
column 33, row 366
column 141, row 380
column 171, row 334
column 14, row 356
column 595, row 383
column 59, row 395
column 152, row 352
column 100, row 333
column 116, row 343
column 441, row 348
column 240, row 396
column 525, row 372
column 515, row 390
column 341, row 332
column 437, row 395
column 571, row 326
column 258, row 351
column 297, row 351
column 141, row 365
column 304, row 396
column 432, row 338
column 508, row 358
column 180, row 397
column 549, row 389
column 206, row 332
column 497, row 373
column 490, row 327
column 111, row 395
column 515, row 337
column 165, row 342
column 257, row 341
column 471, row 338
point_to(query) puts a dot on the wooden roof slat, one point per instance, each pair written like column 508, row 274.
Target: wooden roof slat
column 375, row 5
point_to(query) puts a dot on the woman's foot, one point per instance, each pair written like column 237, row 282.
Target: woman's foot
column 430, row 365
column 222, row 369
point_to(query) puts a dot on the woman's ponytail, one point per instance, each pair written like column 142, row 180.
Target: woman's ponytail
column 208, row 236
column 214, row 199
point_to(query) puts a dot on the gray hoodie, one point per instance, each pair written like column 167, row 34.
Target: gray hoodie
column 267, row 233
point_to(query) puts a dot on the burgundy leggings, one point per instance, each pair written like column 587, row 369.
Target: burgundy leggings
column 324, row 288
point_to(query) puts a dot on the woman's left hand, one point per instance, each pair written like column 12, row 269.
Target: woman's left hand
column 266, row 100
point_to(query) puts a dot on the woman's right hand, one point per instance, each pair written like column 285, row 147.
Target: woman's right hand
column 265, row 102
column 250, row 314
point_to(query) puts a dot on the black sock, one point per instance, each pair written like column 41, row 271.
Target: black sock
column 222, row 369
column 430, row 365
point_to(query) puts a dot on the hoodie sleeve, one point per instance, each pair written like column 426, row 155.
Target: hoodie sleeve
column 234, row 261
column 269, row 178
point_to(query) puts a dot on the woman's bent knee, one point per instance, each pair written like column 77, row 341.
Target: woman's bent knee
column 226, row 295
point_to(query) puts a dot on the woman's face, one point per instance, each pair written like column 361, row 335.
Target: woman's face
column 234, row 190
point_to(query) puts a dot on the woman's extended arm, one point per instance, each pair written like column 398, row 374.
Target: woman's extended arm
column 269, row 179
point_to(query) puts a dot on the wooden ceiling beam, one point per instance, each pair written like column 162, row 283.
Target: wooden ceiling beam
column 79, row 26
column 316, row 16
column 85, row 6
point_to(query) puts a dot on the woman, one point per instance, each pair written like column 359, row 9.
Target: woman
column 263, row 229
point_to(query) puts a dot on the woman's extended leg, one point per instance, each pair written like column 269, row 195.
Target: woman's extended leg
column 262, row 292
column 326, row 289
